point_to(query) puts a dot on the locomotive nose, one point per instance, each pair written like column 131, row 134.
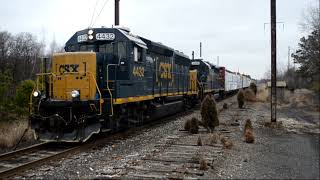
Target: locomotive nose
column 75, row 74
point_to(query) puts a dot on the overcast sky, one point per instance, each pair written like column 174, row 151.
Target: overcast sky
column 231, row 29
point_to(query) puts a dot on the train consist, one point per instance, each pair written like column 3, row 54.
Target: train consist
column 109, row 79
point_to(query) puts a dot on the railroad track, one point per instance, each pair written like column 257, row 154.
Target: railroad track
column 14, row 162
column 18, row 161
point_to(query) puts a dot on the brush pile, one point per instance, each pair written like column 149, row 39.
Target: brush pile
column 240, row 98
column 192, row 125
column 248, row 132
column 209, row 113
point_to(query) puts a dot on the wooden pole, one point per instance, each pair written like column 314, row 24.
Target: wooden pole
column 273, row 62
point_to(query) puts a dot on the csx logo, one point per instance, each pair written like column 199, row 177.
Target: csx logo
column 65, row 68
column 165, row 70
column 138, row 71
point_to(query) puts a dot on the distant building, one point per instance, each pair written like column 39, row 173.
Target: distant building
column 281, row 87
column 280, row 84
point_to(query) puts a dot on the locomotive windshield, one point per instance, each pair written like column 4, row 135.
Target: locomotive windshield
column 119, row 48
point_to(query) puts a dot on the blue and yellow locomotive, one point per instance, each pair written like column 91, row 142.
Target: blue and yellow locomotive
column 106, row 80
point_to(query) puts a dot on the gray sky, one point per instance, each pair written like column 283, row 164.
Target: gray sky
column 231, row 29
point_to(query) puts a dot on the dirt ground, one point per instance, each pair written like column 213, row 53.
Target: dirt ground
column 163, row 151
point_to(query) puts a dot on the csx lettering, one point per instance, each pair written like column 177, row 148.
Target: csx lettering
column 65, row 68
column 138, row 71
column 165, row 70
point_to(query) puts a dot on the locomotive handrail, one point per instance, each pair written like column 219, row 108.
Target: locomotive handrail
column 111, row 99
column 36, row 87
column 100, row 97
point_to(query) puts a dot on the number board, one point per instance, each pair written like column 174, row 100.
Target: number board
column 82, row 38
column 105, row 36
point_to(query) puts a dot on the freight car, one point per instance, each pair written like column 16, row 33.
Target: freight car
column 232, row 81
column 109, row 79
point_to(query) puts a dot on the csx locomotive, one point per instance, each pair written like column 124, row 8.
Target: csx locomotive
column 109, row 79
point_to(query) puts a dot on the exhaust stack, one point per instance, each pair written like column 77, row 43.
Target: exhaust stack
column 116, row 13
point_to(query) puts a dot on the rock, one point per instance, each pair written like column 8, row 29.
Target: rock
column 45, row 169
column 235, row 124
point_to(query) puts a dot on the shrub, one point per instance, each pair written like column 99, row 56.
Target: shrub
column 203, row 164
column 24, row 91
column 240, row 98
column 5, row 81
column 194, row 126
column 227, row 143
column 212, row 139
column 253, row 87
column 209, row 113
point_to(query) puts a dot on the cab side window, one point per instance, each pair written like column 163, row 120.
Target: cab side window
column 137, row 54
column 122, row 50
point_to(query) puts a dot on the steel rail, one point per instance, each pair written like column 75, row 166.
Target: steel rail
column 33, row 156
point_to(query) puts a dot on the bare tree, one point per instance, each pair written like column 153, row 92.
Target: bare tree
column 24, row 56
column 55, row 47
column 311, row 19
column 5, row 41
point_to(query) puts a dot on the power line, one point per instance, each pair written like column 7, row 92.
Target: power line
column 100, row 12
column 94, row 11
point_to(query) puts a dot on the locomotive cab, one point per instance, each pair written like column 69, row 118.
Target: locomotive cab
column 208, row 75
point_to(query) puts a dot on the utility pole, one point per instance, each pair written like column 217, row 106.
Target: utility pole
column 288, row 58
column 273, row 61
column 116, row 12
column 217, row 60
column 200, row 49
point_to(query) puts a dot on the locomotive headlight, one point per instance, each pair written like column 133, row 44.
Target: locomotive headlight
column 36, row 94
column 90, row 32
column 90, row 37
column 75, row 94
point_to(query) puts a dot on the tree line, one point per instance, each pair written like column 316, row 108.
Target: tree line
column 306, row 57
column 20, row 59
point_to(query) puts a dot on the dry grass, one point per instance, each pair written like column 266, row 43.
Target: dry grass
column 11, row 132
column 249, row 95
column 203, row 164
column 249, row 137
column 248, row 125
column 274, row 125
column 302, row 98
column 212, row 139
column 262, row 94
column 248, row 132
column 227, row 143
